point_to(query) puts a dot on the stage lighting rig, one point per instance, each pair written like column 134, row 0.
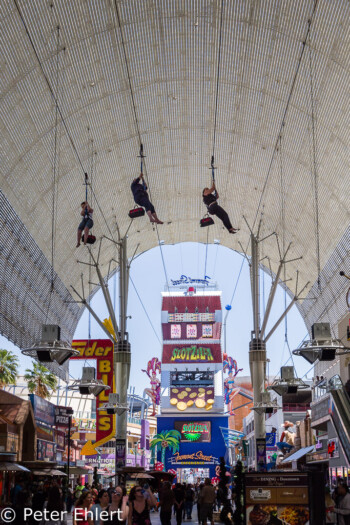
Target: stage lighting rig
column 322, row 346
column 88, row 384
column 287, row 383
column 266, row 405
column 50, row 349
column 113, row 406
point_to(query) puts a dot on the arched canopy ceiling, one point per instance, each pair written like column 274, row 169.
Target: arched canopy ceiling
column 131, row 70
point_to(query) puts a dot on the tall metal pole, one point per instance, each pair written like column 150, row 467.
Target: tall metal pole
column 257, row 347
column 122, row 350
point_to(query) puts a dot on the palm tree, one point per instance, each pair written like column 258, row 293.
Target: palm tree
column 8, row 368
column 39, row 379
column 166, row 439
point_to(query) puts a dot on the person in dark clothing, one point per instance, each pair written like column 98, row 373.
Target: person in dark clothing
column 189, row 498
column 179, row 495
column 38, row 499
column 139, row 191
column 166, row 501
column 210, row 197
column 86, row 223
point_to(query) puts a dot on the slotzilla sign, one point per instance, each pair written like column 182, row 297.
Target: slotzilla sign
column 188, row 280
column 192, row 354
column 194, row 430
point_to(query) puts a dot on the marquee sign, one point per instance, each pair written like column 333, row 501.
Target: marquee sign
column 198, row 431
column 191, row 354
column 197, row 458
column 188, row 280
column 102, row 351
column 191, row 317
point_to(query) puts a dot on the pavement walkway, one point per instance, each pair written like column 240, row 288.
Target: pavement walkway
column 155, row 518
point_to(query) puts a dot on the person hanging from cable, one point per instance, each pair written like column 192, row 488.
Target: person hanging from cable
column 210, row 197
column 86, row 224
column 86, row 212
column 139, row 191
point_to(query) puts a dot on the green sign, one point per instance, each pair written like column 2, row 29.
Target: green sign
column 192, row 353
column 198, row 431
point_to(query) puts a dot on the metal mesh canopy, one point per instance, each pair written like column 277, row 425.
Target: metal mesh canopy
column 168, row 52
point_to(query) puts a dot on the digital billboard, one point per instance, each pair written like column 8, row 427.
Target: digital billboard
column 198, row 431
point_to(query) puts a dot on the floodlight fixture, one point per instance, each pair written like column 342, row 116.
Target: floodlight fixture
column 50, row 349
column 287, row 383
column 266, row 405
column 88, row 384
column 322, row 346
column 113, row 406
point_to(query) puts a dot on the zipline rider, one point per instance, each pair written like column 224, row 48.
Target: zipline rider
column 210, row 197
column 86, row 224
column 139, row 191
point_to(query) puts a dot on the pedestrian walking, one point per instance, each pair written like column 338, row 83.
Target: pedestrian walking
column 179, row 495
column 166, row 502
column 207, row 500
column 140, row 503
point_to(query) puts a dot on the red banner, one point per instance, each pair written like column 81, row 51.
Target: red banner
column 187, row 353
column 102, row 351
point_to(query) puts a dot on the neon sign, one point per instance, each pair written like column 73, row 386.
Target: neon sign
column 199, row 431
column 188, row 280
column 192, row 353
column 195, row 458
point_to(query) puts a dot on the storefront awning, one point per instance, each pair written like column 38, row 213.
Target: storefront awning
column 48, row 472
column 298, row 454
column 80, row 471
column 8, row 466
column 231, row 437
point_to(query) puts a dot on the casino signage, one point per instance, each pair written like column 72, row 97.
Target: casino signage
column 197, row 458
column 198, row 431
column 191, row 354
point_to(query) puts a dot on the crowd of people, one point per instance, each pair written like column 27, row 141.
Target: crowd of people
column 96, row 505
column 338, row 504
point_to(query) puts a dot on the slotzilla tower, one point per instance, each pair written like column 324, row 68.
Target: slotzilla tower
column 192, row 380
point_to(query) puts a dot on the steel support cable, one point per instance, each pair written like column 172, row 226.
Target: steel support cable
column 138, row 129
column 144, row 309
column 215, row 120
column 55, row 99
column 283, row 221
column 285, row 110
column 55, row 165
column 315, row 170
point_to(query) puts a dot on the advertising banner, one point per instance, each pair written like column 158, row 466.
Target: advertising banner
column 60, row 439
column 191, row 331
column 261, row 454
column 102, row 351
column 46, row 450
column 120, row 452
column 198, row 431
column 275, row 498
column 44, row 411
column 192, row 354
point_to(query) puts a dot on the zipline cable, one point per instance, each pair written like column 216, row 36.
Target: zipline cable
column 144, row 309
column 55, row 99
column 54, row 173
column 285, row 111
column 138, row 129
column 315, row 170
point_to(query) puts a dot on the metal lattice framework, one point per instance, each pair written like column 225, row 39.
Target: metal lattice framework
column 167, row 52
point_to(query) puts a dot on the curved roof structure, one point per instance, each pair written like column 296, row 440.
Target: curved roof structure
column 188, row 79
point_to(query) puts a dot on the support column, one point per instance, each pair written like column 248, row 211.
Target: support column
column 257, row 347
column 122, row 350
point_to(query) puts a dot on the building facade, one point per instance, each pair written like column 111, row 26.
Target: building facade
column 192, row 401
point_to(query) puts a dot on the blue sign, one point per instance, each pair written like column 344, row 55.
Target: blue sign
column 270, row 439
column 188, row 280
column 44, row 411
